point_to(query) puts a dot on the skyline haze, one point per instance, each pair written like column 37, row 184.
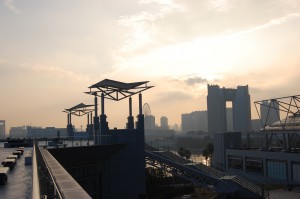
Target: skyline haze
column 52, row 51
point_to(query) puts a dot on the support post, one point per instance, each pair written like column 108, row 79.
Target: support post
column 140, row 104
column 69, row 126
column 96, row 122
column 130, row 123
column 103, row 123
column 102, row 104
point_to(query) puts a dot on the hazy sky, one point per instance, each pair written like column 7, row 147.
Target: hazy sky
column 52, row 50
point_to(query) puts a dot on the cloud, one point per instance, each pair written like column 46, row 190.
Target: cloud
column 219, row 5
column 142, row 25
column 172, row 96
column 272, row 22
column 195, row 80
column 11, row 6
column 11, row 70
column 187, row 80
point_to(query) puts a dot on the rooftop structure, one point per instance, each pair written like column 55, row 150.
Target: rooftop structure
column 272, row 155
column 288, row 107
column 116, row 90
column 80, row 110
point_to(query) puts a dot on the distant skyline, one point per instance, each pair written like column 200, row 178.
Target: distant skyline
column 52, row 50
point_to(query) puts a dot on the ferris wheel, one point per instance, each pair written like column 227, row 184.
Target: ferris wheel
column 146, row 109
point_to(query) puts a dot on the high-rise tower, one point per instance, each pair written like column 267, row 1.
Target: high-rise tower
column 216, row 108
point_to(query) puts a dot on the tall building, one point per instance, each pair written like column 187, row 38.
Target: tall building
column 186, row 122
column 269, row 112
column 216, row 108
column 194, row 121
column 164, row 123
column 229, row 116
column 149, row 122
column 18, row 132
column 2, row 129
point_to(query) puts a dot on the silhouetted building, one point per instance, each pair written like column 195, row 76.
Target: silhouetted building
column 194, row 121
column 223, row 141
column 229, row 116
column 269, row 112
column 47, row 132
column 120, row 173
column 256, row 125
column 216, row 108
column 164, row 123
column 18, row 132
column 271, row 155
column 149, row 122
column 2, row 129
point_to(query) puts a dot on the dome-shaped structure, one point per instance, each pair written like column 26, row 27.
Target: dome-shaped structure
column 289, row 123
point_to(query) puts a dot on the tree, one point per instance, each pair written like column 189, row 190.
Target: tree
column 208, row 151
column 205, row 153
column 185, row 153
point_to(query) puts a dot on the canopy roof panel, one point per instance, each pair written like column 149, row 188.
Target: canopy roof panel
column 107, row 83
column 116, row 90
column 80, row 109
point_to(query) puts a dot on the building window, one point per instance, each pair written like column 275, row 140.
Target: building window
column 235, row 162
column 277, row 170
column 254, row 166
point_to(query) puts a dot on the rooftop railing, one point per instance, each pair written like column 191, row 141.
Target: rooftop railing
column 51, row 180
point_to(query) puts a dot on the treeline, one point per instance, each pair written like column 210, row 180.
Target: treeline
column 193, row 143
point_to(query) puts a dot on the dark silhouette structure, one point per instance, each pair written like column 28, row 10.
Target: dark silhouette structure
column 80, row 110
column 114, row 167
column 216, row 108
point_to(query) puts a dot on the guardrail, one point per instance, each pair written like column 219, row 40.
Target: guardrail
column 53, row 180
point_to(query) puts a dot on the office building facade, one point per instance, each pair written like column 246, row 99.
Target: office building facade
column 194, row 121
column 217, row 113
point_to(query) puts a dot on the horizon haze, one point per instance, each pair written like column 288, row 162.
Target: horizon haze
column 51, row 51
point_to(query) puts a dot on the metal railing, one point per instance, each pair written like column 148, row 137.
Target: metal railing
column 253, row 187
column 46, row 184
column 52, row 178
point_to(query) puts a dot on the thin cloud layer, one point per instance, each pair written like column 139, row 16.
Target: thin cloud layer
column 11, row 6
column 64, row 49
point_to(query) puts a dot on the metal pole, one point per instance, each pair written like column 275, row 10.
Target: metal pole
column 96, row 106
column 70, row 118
column 140, row 104
column 102, row 103
column 130, row 106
